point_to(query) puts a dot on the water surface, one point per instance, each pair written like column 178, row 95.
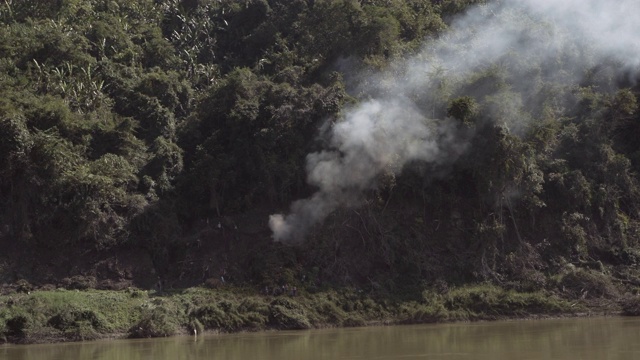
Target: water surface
column 564, row 339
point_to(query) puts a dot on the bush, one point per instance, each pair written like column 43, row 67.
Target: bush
column 254, row 312
column 17, row 325
column 79, row 282
column 136, row 293
column 489, row 301
column 423, row 313
column 62, row 320
column 71, row 320
column 23, row 286
column 285, row 314
column 211, row 316
column 631, row 306
column 353, row 321
column 587, row 284
column 80, row 325
column 250, row 305
column 224, row 316
column 330, row 312
column 154, row 323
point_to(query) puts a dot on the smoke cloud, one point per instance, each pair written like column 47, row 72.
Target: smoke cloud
column 375, row 137
column 524, row 43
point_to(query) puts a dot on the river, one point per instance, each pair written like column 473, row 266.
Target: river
column 563, row 339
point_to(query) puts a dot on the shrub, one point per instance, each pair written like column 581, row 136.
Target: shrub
column 330, row 312
column 250, row 305
column 211, row 316
column 585, row 283
column 62, row 320
column 17, row 325
column 631, row 306
column 154, row 323
column 79, row 282
column 488, row 301
column 423, row 313
column 287, row 315
column 23, row 286
column 353, row 321
column 221, row 316
column 79, row 324
column 136, row 293
column 74, row 320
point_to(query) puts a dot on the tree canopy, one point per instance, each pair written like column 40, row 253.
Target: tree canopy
column 132, row 123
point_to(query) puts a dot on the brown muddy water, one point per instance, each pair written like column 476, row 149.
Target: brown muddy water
column 563, row 339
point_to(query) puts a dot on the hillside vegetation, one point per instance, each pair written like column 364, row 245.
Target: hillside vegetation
column 145, row 144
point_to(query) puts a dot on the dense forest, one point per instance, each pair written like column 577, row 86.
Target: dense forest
column 155, row 139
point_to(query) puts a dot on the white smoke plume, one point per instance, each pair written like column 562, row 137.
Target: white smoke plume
column 375, row 137
column 527, row 42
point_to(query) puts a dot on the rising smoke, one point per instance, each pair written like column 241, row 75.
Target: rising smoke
column 528, row 42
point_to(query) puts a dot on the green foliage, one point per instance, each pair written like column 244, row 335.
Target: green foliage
column 222, row 316
column 586, row 283
column 154, row 323
column 77, row 315
column 79, row 282
column 488, row 301
column 134, row 123
column 249, row 138
column 631, row 306
column 64, row 314
column 412, row 312
column 98, row 91
column 286, row 314
column 453, row 7
column 84, row 324
column 17, row 325
column 463, row 109
column 15, row 145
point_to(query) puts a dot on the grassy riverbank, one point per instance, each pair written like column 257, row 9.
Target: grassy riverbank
column 63, row 315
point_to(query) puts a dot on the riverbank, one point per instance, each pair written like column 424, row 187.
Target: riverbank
column 60, row 315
